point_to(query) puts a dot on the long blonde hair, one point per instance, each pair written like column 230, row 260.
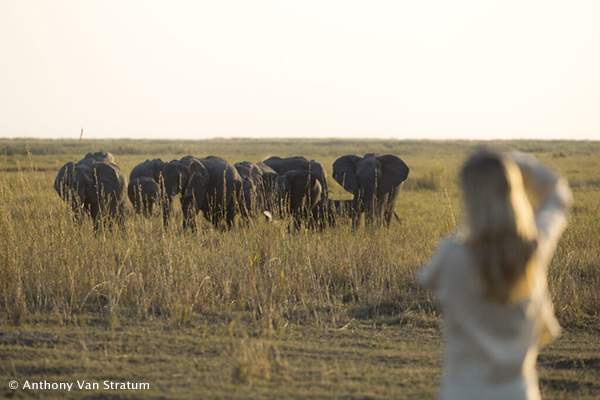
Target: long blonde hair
column 502, row 232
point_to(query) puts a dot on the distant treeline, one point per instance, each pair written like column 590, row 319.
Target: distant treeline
column 314, row 147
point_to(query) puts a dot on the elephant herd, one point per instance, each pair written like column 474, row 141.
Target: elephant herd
column 274, row 188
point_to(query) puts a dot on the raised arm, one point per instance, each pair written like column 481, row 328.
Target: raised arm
column 553, row 195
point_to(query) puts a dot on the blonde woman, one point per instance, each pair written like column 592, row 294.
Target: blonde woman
column 490, row 277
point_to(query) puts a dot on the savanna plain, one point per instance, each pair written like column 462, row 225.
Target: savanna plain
column 261, row 312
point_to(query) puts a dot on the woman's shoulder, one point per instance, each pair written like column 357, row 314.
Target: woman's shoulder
column 455, row 248
column 449, row 258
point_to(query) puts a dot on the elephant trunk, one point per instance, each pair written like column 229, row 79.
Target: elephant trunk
column 368, row 200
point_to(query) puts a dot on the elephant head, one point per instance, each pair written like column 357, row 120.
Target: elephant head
column 143, row 193
column 374, row 180
column 98, row 156
column 65, row 181
column 174, row 175
column 188, row 177
column 299, row 193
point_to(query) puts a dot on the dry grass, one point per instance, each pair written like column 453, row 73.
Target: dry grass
column 253, row 291
column 53, row 265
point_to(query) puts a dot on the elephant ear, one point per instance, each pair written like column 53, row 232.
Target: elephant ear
column 157, row 167
column 318, row 169
column 393, row 170
column 344, row 172
column 172, row 177
column 285, row 181
column 197, row 179
column 255, row 174
column 64, row 180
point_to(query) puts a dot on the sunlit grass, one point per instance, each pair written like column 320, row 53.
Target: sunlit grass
column 54, row 265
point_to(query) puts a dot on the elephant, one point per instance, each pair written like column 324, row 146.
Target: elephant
column 254, row 190
column 375, row 181
column 210, row 184
column 144, row 188
column 283, row 165
column 298, row 192
column 94, row 187
column 143, row 193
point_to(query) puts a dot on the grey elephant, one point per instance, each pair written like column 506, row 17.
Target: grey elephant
column 375, row 182
column 297, row 194
column 144, row 194
column 144, row 188
column 94, row 185
column 283, row 165
column 254, row 190
column 211, row 185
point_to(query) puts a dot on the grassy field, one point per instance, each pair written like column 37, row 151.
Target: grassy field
column 258, row 312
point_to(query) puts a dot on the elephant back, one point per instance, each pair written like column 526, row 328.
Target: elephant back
column 99, row 156
column 283, row 165
column 264, row 168
column 102, row 180
column 224, row 182
column 148, row 168
column 298, row 163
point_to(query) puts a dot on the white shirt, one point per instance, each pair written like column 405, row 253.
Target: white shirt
column 491, row 349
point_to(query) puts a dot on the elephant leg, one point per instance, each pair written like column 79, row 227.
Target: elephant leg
column 149, row 207
column 166, row 206
column 189, row 218
column 230, row 213
column 391, row 203
column 121, row 215
column 242, row 208
column 380, row 209
column 215, row 214
column 114, row 214
column 356, row 211
column 138, row 199
column 321, row 214
column 298, row 208
column 96, row 214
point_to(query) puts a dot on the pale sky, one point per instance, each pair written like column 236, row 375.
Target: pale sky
column 474, row 69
